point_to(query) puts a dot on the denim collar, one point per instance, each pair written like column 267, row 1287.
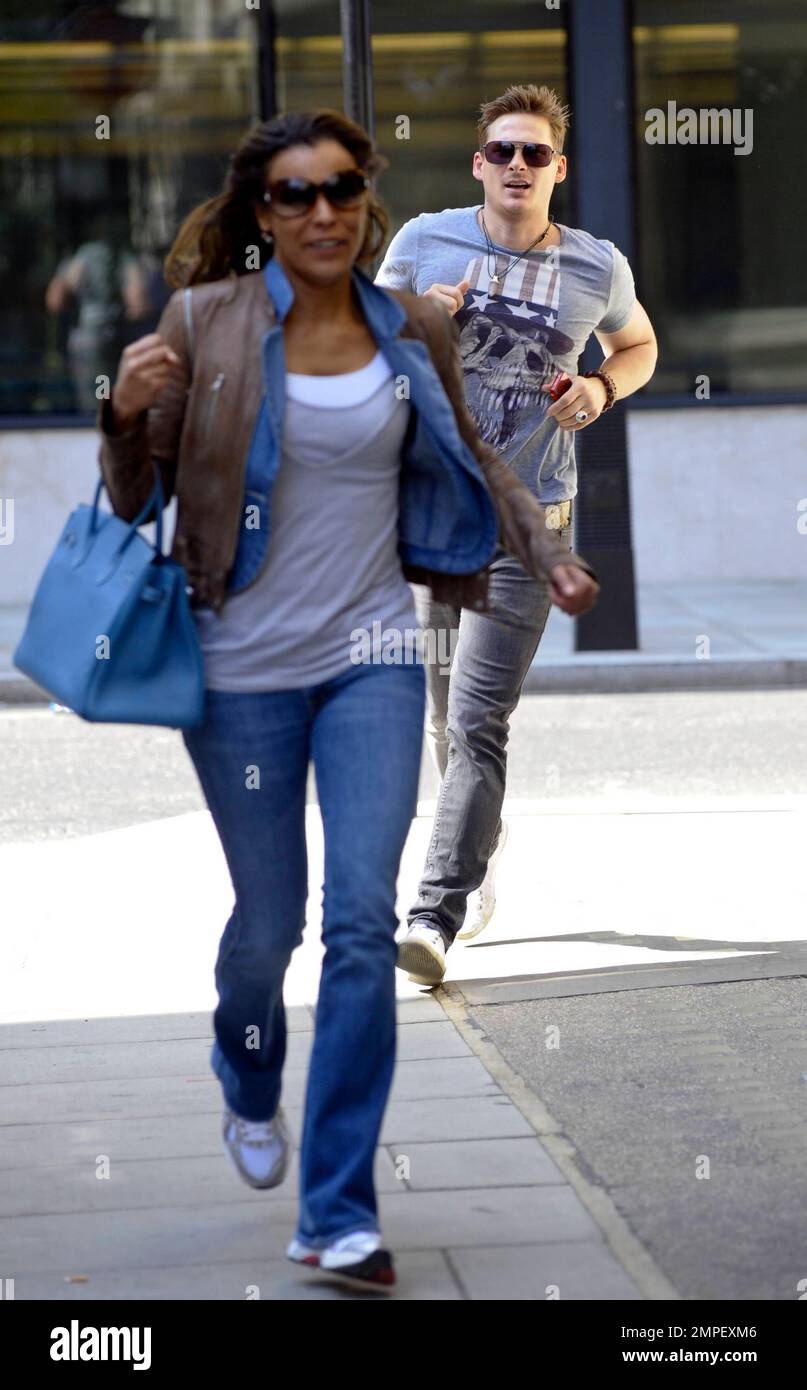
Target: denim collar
column 385, row 316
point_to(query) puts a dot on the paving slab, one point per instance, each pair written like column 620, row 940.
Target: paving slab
column 422, row 1275
column 94, row 1063
column 140, row 1184
column 98, row 1031
column 424, row 1009
column 23, row 1146
column 485, row 1216
column 431, row 1040
column 108, row 1033
column 449, row 1078
column 82, row 1104
column 457, row 1164
column 76, row 1243
column 562, row 1270
column 477, row 1117
column 81, row 1242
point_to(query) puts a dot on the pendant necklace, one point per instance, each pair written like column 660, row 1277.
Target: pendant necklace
column 491, row 250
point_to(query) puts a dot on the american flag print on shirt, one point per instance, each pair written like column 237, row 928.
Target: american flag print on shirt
column 508, row 340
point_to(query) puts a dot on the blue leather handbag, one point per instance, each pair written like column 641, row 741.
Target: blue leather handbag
column 110, row 633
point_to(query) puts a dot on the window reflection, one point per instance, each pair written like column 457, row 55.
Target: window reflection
column 720, row 235
column 114, row 122
column 437, row 78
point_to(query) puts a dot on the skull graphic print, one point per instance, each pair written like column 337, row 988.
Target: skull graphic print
column 508, row 340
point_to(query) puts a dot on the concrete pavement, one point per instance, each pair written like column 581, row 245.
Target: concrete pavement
column 484, row 1193
column 104, row 1052
column 471, row 1201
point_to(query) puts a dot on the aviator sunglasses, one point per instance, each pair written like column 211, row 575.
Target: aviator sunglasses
column 502, row 151
column 294, row 197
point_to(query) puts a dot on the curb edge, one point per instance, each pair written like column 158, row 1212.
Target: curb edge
column 637, row 1262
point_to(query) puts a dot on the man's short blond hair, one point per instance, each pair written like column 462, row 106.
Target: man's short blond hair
column 535, row 101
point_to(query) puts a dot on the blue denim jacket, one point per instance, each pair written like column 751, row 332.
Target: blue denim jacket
column 447, row 521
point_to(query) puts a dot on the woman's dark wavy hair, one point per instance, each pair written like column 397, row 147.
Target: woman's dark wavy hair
column 213, row 239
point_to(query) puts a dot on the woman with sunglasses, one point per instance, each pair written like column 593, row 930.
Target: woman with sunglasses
column 312, row 428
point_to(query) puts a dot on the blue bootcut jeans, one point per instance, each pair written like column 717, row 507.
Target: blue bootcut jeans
column 364, row 732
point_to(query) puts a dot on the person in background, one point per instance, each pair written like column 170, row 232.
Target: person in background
column 113, row 295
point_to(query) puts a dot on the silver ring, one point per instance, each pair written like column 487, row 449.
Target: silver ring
column 581, row 416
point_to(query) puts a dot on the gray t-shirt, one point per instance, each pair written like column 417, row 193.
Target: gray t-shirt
column 516, row 336
column 332, row 567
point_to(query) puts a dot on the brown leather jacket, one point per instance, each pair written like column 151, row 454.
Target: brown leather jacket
column 205, row 467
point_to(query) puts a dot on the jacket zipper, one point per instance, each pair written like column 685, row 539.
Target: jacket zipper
column 215, row 391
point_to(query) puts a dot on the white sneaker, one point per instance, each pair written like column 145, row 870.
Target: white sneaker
column 422, row 952
column 357, row 1260
column 482, row 903
column 259, row 1149
column 303, row 1254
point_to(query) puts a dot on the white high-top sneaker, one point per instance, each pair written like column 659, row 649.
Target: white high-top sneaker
column 482, row 903
column 259, row 1149
column 422, row 952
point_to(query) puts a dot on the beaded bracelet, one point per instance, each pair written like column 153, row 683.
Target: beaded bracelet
column 609, row 384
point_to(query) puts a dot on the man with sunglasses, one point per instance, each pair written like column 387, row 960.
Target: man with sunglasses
column 526, row 293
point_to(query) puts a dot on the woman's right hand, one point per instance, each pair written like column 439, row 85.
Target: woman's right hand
column 146, row 366
column 572, row 589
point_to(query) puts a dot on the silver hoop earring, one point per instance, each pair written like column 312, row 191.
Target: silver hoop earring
column 267, row 236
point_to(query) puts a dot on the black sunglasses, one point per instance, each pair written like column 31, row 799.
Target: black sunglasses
column 294, row 197
column 502, row 151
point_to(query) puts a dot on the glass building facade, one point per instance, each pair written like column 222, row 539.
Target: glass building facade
column 720, row 256
column 117, row 118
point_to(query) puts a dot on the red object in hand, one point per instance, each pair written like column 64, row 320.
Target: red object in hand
column 559, row 385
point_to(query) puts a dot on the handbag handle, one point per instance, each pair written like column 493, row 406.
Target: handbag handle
column 155, row 496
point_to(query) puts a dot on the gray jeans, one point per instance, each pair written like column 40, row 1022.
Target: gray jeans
column 467, row 727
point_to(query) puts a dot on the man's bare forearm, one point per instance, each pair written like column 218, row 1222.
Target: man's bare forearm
column 631, row 367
